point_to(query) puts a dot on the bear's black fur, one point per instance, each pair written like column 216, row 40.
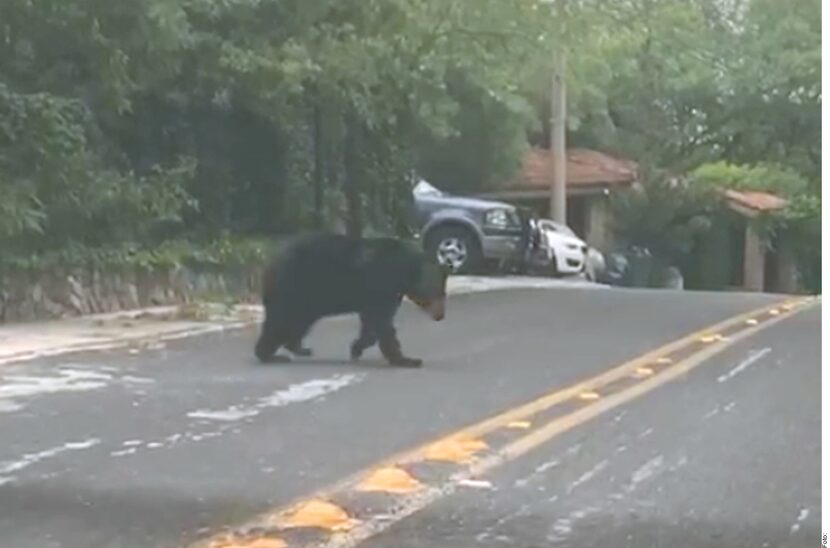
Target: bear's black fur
column 323, row 275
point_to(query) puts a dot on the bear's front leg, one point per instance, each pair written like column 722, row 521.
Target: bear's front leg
column 365, row 339
column 275, row 333
column 390, row 347
column 377, row 325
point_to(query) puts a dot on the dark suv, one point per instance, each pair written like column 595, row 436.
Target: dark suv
column 464, row 233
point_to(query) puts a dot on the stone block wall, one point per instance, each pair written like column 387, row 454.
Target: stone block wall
column 26, row 296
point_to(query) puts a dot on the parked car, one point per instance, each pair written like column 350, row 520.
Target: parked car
column 465, row 233
column 628, row 266
column 569, row 254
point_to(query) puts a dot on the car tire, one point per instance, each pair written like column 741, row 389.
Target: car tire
column 455, row 247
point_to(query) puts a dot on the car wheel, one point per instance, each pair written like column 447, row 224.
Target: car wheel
column 456, row 248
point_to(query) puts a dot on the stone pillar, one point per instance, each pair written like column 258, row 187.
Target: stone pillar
column 754, row 254
column 785, row 266
column 597, row 231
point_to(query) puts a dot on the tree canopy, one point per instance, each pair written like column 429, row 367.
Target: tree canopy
column 149, row 120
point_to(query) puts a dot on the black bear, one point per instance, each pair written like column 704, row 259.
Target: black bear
column 323, row 275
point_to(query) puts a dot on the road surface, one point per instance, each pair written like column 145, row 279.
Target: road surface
column 717, row 445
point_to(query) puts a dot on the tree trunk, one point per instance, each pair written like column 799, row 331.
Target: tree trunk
column 319, row 166
column 351, row 160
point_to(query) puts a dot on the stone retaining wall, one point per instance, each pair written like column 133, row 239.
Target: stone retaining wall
column 28, row 296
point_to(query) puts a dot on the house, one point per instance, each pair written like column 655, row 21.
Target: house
column 735, row 255
column 756, row 261
column 591, row 177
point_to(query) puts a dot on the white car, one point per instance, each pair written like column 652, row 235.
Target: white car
column 568, row 254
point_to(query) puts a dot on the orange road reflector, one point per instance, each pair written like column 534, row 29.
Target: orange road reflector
column 390, row 480
column 318, row 514
column 454, row 450
column 519, row 425
column 589, row 396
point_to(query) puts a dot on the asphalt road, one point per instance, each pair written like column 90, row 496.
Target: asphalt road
column 169, row 445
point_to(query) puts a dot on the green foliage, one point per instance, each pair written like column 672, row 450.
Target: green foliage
column 801, row 215
column 59, row 187
column 223, row 252
column 148, row 120
column 678, row 219
column 665, row 216
column 182, row 120
column 778, row 180
column 678, row 83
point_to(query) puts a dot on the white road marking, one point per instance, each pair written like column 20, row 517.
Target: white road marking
column 751, row 359
column 295, row 393
column 29, row 459
column 588, row 476
column 645, row 472
column 541, row 469
column 645, row 433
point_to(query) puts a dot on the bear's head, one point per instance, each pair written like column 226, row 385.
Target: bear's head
column 430, row 289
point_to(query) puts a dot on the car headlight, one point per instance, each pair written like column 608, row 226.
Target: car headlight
column 500, row 218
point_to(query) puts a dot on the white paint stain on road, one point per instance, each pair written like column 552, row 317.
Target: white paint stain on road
column 295, row 393
column 802, row 515
column 645, row 433
column 17, row 388
column 29, row 459
column 562, row 528
column 588, row 476
column 541, row 469
column 66, row 380
column 646, row 472
column 9, row 406
column 752, row 358
column 232, row 413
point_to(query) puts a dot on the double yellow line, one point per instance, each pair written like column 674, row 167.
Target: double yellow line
column 464, row 450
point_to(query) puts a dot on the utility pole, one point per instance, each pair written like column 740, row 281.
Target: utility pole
column 558, row 121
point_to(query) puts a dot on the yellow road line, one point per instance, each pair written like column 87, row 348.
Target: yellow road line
column 592, row 407
column 412, row 504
